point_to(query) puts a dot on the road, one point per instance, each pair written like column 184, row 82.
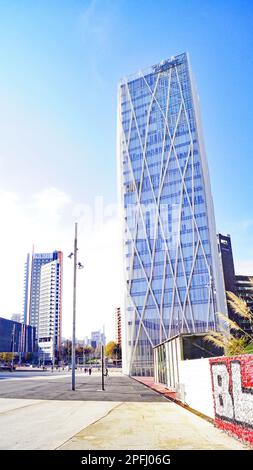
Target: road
column 29, row 374
column 40, row 411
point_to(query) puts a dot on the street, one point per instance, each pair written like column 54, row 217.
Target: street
column 40, row 411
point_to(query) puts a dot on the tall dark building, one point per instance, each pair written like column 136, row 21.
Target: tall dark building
column 226, row 255
column 238, row 284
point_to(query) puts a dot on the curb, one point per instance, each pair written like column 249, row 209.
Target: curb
column 177, row 402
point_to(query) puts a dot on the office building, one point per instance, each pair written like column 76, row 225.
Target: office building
column 118, row 326
column 50, row 309
column 97, row 338
column 16, row 317
column 228, row 270
column 172, row 276
column 16, row 337
column 26, row 294
column 244, row 289
column 238, row 284
column 227, row 261
column 31, row 301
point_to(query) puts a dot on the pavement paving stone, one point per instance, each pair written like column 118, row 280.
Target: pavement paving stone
column 44, row 413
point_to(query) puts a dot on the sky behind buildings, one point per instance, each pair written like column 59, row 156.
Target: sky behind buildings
column 60, row 65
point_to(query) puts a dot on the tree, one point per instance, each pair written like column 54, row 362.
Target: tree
column 66, row 349
column 6, row 356
column 79, row 350
column 88, row 352
column 118, row 351
column 110, row 348
column 113, row 350
column 232, row 337
column 28, row 356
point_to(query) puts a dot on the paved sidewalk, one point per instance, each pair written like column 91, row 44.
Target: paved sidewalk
column 45, row 424
column 46, row 414
column 118, row 388
column 151, row 426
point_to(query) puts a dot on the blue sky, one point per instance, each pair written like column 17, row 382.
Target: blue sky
column 60, row 64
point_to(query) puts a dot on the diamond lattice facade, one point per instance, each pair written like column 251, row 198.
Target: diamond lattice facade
column 172, row 276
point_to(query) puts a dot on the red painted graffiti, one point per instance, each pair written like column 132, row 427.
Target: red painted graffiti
column 232, row 383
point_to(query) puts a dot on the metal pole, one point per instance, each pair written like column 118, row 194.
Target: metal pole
column 74, row 314
column 102, row 368
column 19, row 345
column 13, row 345
column 83, row 353
column 53, row 345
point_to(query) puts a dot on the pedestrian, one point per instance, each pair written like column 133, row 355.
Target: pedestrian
column 89, row 370
column 106, row 372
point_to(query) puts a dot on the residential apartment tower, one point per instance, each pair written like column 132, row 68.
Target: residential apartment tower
column 42, row 307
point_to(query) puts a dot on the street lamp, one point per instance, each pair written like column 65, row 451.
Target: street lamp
column 102, row 366
column 79, row 266
column 83, row 352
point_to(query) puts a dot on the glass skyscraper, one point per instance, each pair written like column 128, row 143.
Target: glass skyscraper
column 172, row 276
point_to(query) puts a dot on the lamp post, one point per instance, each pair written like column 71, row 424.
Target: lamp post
column 80, row 266
column 13, row 346
column 83, row 352
column 102, row 367
column 74, row 315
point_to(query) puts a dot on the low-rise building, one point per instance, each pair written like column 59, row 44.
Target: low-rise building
column 16, row 337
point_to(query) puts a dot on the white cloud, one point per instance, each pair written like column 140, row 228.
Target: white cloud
column 47, row 221
column 51, row 199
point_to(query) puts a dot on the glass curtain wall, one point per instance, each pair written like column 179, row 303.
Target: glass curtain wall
column 167, row 224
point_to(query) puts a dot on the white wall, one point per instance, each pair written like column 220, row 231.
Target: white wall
column 234, row 405
column 191, row 379
column 195, row 381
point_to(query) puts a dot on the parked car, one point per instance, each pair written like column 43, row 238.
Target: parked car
column 7, row 367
